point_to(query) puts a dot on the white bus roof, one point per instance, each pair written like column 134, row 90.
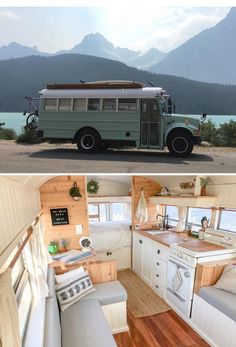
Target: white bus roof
column 146, row 92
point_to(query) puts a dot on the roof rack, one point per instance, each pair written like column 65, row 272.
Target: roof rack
column 113, row 84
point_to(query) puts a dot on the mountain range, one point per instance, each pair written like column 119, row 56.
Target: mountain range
column 209, row 56
column 92, row 44
column 28, row 75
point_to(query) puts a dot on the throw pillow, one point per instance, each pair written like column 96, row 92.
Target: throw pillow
column 227, row 281
column 69, row 275
column 72, row 290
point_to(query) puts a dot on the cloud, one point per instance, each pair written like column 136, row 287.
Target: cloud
column 9, row 15
column 161, row 27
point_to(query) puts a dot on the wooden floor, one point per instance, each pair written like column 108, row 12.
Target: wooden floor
column 162, row 330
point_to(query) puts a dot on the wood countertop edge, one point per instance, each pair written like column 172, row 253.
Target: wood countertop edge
column 159, row 239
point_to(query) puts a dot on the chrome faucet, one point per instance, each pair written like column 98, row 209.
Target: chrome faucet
column 165, row 220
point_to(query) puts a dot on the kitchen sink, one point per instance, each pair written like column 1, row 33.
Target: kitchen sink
column 157, row 232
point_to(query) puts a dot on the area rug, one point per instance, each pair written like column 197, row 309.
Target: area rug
column 142, row 300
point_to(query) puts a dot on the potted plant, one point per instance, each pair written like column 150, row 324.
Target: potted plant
column 53, row 247
column 75, row 192
column 204, row 182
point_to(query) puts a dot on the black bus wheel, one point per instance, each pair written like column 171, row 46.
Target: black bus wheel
column 180, row 143
column 88, row 141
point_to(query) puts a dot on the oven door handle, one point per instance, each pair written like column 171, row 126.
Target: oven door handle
column 177, row 295
column 177, row 264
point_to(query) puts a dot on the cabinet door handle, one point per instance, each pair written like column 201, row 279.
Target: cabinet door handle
column 158, row 264
column 157, row 275
column 140, row 241
column 156, row 286
column 158, row 252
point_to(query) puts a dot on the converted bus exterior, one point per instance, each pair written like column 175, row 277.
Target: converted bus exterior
column 140, row 116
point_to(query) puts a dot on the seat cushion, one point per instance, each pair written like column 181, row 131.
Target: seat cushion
column 108, row 293
column 84, row 325
column 51, row 282
column 52, row 330
column 222, row 300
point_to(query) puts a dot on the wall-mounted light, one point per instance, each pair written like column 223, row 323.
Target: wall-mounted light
column 75, row 192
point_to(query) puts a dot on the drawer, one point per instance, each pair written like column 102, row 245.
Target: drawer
column 159, row 265
column 159, row 276
column 159, row 288
column 161, row 251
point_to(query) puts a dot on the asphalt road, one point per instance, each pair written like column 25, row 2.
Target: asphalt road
column 65, row 158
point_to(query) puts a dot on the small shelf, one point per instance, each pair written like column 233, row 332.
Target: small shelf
column 191, row 201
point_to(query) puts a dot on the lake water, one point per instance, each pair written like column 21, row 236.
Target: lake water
column 16, row 120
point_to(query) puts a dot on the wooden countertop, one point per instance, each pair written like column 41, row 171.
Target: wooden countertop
column 201, row 246
column 167, row 239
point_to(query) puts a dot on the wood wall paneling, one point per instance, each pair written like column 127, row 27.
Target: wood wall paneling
column 207, row 274
column 150, row 188
column 55, row 194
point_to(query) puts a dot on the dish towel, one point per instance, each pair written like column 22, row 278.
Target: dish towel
column 177, row 281
column 142, row 211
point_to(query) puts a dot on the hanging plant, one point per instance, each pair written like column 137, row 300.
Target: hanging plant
column 92, row 187
column 75, row 192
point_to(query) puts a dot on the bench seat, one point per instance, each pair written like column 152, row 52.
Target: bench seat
column 221, row 299
column 107, row 293
column 84, row 325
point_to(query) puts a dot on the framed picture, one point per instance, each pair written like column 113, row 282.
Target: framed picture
column 59, row 216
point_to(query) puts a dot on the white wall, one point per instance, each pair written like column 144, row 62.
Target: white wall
column 111, row 187
column 19, row 205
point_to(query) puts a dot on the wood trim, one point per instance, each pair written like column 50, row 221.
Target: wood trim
column 207, row 274
column 99, row 271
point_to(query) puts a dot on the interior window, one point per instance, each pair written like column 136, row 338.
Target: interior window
column 227, row 220
column 79, row 105
column 195, row 215
column 127, row 104
column 109, row 211
column 109, row 104
column 93, row 104
column 50, row 104
column 173, row 217
column 64, row 104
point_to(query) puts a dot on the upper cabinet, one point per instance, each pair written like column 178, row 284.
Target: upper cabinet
column 192, row 201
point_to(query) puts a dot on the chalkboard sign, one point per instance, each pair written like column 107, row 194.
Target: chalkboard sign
column 59, row 216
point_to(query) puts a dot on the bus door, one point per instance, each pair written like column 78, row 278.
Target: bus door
column 150, row 124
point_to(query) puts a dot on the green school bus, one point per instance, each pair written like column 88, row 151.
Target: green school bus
column 115, row 113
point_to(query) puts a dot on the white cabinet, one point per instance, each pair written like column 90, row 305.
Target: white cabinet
column 193, row 201
column 147, row 261
column 142, row 257
column 137, row 253
column 150, row 262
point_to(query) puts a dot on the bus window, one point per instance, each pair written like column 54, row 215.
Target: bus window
column 109, row 104
column 93, row 104
column 64, row 104
column 79, row 105
column 50, row 104
column 127, row 105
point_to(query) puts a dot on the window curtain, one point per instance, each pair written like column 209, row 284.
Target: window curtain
column 182, row 212
column 37, row 259
column 9, row 321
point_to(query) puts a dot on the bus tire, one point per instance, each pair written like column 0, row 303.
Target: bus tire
column 180, row 143
column 88, row 141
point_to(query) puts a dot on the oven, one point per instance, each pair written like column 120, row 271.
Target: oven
column 180, row 282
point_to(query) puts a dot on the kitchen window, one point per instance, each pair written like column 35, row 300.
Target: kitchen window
column 195, row 215
column 173, row 216
column 227, row 220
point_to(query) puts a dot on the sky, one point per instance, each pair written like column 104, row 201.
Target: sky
column 139, row 28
